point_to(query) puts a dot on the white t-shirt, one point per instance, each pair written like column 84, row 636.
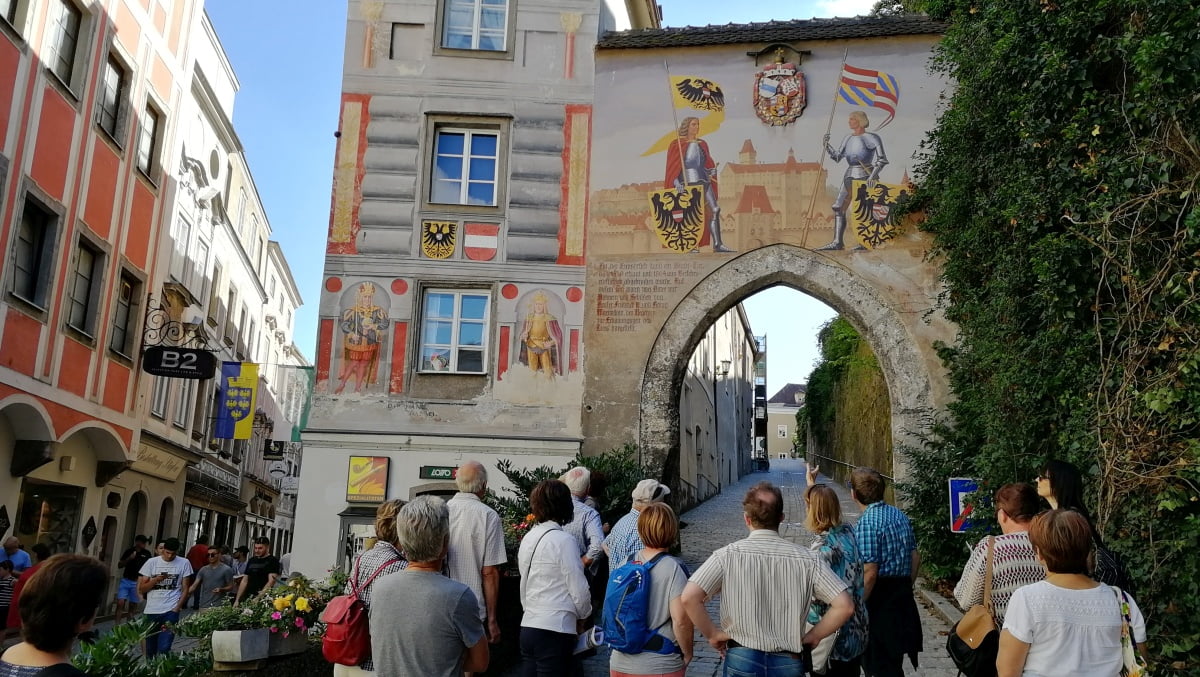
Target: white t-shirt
column 164, row 596
column 1071, row 633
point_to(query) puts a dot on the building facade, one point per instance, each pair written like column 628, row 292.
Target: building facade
column 452, row 304
column 781, row 420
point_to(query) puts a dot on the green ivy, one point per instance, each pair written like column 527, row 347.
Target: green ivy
column 1060, row 186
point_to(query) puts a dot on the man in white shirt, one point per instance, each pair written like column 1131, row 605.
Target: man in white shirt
column 162, row 581
column 763, row 621
column 476, row 543
column 585, row 524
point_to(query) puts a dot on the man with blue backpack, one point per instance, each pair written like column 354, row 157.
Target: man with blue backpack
column 644, row 621
column 767, row 584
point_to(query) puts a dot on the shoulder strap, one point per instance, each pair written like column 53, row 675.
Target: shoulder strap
column 378, row 571
column 987, row 576
column 525, row 574
column 654, row 560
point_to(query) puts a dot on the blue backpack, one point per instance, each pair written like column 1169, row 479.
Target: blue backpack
column 626, row 605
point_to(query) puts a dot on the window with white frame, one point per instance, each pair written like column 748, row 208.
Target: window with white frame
column 148, row 134
column 112, row 93
column 8, row 10
column 476, row 24
column 454, row 328
column 32, row 258
column 84, row 285
column 465, row 167
column 65, row 23
column 782, row 432
column 158, row 398
column 124, row 318
column 183, row 405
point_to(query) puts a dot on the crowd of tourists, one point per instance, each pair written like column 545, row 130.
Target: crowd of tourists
column 844, row 605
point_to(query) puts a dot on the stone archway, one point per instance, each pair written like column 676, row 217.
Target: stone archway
column 903, row 362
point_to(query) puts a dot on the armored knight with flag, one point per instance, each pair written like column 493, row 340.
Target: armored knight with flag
column 864, row 155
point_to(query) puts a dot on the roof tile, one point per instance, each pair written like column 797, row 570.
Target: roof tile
column 773, row 31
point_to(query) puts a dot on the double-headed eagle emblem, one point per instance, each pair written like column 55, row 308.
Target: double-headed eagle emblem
column 876, row 211
column 438, row 238
column 702, row 94
column 678, row 217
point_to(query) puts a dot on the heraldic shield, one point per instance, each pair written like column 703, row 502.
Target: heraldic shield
column 678, row 217
column 438, row 238
column 875, row 211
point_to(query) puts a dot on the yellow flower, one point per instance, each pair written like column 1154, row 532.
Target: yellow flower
column 302, row 604
column 281, row 604
column 290, row 597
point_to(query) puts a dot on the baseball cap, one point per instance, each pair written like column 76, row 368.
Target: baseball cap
column 171, row 544
column 650, row 491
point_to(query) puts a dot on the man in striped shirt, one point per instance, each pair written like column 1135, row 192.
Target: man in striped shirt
column 767, row 584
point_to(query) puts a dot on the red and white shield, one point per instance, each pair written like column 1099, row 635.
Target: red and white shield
column 480, row 240
column 880, row 212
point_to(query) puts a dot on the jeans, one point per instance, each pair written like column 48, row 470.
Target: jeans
column 743, row 661
column 545, row 653
column 160, row 642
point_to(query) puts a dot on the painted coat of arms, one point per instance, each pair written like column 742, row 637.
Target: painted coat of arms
column 876, row 211
column 779, row 93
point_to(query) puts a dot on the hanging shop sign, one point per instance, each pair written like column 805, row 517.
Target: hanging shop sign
column 190, row 363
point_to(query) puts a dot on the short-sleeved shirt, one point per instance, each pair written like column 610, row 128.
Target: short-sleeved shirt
column 585, row 526
column 476, row 541
column 165, row 594
column 20, row 560
column 1071, row 633
column 839, row 549
column 757, row 609
column 210, row 578
column 258, row 571
column 667, row 580
column 885, row 537
column 135, row 560
column 6, row 590
column 623, row 541
column 422, row 623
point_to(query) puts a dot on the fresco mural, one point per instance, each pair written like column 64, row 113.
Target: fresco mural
column 540, row 344
column 363, row 330
column 752, row 153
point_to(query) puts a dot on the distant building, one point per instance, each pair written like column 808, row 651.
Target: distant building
column 782, row 408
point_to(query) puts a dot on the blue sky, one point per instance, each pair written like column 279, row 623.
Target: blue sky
column 288, row 57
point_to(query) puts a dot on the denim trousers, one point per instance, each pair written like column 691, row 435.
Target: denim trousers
column 742, row 661
column 161, row 641
column 547, row 654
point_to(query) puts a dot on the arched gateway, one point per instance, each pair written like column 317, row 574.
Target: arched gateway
column 904, row 368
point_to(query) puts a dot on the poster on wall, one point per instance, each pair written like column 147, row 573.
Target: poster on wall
column 367, row 479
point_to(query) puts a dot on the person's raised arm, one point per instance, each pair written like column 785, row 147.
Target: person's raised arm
column 693, row 602
column 840, row 610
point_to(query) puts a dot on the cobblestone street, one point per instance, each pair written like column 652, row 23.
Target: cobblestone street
column 718, row 522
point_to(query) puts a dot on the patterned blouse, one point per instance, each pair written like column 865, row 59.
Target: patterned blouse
column 367, row 564
column 1014, row 565
column 839, row 548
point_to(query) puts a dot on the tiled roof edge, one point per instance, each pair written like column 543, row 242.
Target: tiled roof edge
column 773, row 31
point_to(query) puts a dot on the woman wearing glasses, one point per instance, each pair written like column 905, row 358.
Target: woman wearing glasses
column 1014, row 563
column 1061, row 485
column 837, row 546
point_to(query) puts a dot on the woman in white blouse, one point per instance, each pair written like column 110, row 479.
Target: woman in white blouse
column 554, row 592
column 1067, row 625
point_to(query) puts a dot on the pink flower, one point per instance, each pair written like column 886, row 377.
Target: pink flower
column 285, row 633
column 274, row 629
column 299, row 622
column 276, row 616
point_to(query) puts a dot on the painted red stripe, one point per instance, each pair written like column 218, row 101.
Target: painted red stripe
column 861, row 71
column 399, row 349
column 324, row 352
column 574, row 362
column 502, row 353
column 962, row 519
column 858, row 83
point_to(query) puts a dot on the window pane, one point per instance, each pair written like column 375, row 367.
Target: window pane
column 481, row 194
column 439, row 305
column 474, row 307
column 438, row 331
column 470, row 334
column 492, row 18
column 450, row 143
column 435, row 359
column 470, row 360
column 448, row 167
column 483, row 170
column 447, row 192
column 491, row 43
column 483, row 145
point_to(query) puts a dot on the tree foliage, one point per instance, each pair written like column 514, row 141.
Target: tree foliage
column 1060, row 185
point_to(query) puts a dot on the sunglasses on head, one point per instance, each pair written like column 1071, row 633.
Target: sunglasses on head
column 213, row 554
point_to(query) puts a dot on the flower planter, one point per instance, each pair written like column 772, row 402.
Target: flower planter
column 240, row 646
column 295, row 642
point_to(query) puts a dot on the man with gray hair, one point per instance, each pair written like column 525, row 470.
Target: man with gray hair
column 623, row 541
column 446, row 638
column 476, row 543
column 585, row 526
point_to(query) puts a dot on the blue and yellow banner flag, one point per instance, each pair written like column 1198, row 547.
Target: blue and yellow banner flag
column 870, row 89
column 239, row 392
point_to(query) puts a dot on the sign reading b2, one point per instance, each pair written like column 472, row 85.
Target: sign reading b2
column 191, row 363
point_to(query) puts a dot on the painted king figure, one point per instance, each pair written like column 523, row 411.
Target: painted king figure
column 541, row 339
column 363, row 326
column 863, row 152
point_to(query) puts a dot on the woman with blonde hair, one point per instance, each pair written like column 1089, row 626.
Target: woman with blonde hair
column 384, row 558
column 837, row 545
column 668, row 653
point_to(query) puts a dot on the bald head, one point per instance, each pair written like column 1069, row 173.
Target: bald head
column 11, row 544
column 471, row 478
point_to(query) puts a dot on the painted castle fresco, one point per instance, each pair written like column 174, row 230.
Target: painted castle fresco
column 706, row 152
